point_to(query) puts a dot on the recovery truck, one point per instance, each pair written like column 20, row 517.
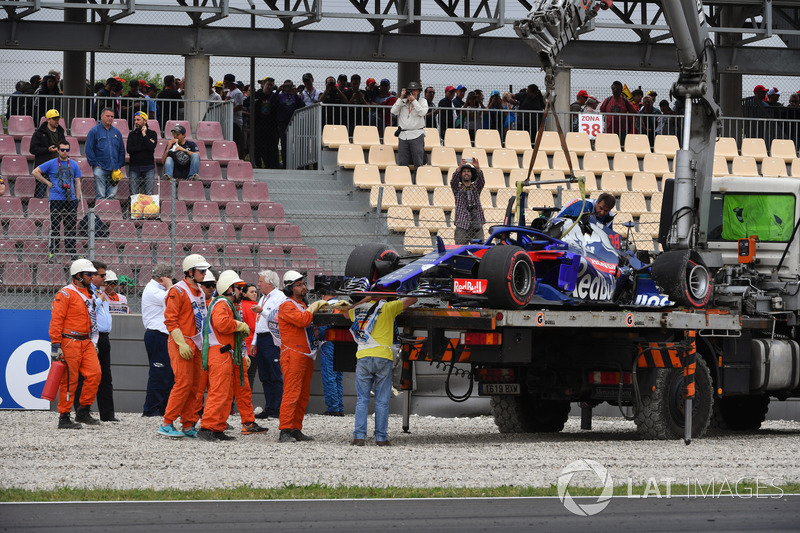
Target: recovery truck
column 681, row 368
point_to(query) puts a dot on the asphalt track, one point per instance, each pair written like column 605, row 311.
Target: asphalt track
column 726, row 513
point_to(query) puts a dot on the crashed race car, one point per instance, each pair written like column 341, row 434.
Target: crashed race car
column 553, row 261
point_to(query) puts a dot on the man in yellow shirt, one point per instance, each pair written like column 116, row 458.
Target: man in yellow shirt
column 373, row 330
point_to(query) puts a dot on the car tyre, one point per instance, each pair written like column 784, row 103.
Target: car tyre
column 371, row 261
column 510, row 276
column 683, row 276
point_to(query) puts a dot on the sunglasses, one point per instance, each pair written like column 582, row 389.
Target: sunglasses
column 63, row 149
column 209, row 285
column 201, row 270
column 111, row 283
column 101, row 275
column 137, row 114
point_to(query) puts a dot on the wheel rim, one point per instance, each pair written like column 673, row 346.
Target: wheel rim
column 698, row 281
column 522, row 277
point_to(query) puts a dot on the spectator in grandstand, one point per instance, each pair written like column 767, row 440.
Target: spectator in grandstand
column 266, row 345
column 181, row 157
column 45, row 99
column 105, row 97
column 298, row 351
column 371, row 91
column 469, row 119
column 357, row 97
column 219, row 88
column 16, row 104
column 266, row 129
column 249, row 300
column 648, row 124
column 141, row 145
column 458, row 100
column 410, row 110
column 285, row 102
column 35, row 81
column 509, row 118
column 756, row 106
column 667, row 123
column 447, row 114
column 432, row 116
column 309, row 94
column 333, row 95
column 636, row 98
column 237, row 97
column 62, row 178
column 794, row 100
column 373, row 330
column 495, row 114
column 167, row 111
column 44, row 145
column 132, row 103
column 591, row 105
column 160, row 378
column 600, row 209
column 616, row 105
column 533, row 101
column 117, row 303
column 467, row 183
column 105, row 152
column 386, row 98
column 184, row 314
column 105, row 391
column 577, row 106
column 151, row 92
column 773, row 95
column 73, row 331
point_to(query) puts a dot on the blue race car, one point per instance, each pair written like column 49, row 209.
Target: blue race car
column 554, row 261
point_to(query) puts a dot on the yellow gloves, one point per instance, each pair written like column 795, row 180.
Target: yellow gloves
column 244, row 328
column 313, row 308
column 341, row 303
column 183, row 348
column 246, row 362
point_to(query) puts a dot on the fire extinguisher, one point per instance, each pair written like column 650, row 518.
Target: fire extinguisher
column 50, row 390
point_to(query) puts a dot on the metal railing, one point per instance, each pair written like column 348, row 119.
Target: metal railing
column 303, row 134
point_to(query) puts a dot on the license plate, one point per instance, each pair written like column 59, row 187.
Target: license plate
column 490, row 389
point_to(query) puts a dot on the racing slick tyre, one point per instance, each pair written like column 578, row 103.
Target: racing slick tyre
column 510, row 276
column 740, row 413
column 371, row 261
column 527, row 414
column 660, row 414
column 683, row 276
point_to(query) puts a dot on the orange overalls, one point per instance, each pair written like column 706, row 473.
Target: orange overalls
column 71, row 327
column 297, row 364
column 220, row 368
column 180, row 314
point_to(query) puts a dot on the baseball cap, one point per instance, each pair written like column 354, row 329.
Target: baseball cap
column 121, row 80
column 385, row 81
column 218, row 85
column 229, row 77
column 495, row 93
column 370, row 81
column 449, row 88
column 460, row 88
column 760, row 88
column 262, row 80
column 35, row 79
column 142, row 83
column 52, row 114
column 774, row 90
column 177, row 128
column 583, row 93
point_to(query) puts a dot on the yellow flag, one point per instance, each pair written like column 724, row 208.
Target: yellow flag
column 627, row 92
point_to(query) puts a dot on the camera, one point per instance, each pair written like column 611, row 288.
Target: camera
column 66, row 186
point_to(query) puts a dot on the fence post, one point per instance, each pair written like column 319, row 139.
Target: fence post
column 91, row 230
column 173, row 241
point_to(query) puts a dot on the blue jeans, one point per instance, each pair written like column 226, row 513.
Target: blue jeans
column 268, row 359
column 331, row 380
column 161, row 378
column 142, row 182
column 103, row 188
column 194, row 166
column 369, row 371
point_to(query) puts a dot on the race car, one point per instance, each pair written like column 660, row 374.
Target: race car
column 555, row 260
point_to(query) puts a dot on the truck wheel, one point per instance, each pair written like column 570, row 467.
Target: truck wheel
column 740, row 413
column 371, row 261
column 526, row 414
column 683, row 276
column 661, row 413
column 510, row 276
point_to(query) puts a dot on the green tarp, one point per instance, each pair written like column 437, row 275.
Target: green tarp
column 770, row 216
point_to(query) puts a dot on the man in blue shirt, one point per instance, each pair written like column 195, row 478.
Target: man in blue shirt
column 62, row 177
column 601, row 208
column 105, row 152
column 181, row 158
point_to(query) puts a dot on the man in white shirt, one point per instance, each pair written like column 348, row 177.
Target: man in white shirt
column 161, row 378
column 411, row 110
column 237, row 97
column 309, row 94
column 266, row 348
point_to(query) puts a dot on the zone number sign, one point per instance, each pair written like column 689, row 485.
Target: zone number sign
column 591, row 124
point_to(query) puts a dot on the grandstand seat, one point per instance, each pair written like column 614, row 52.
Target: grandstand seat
column 21, row 229
column 153, row 230
column 432, row 139
column 504, row 159
column 188, row 233
column 399, row 218
column 578, row 142
column 486, row 198
column 569, row 196
column 644, row 182
column 655, row 163
column 589, row 177
column 755, row 148
column 181, row 213
column 209, row 171
column 161, row 145
column 518, row 140
column 350, row 155
column 443, row 157
column 607, row 143
column 25, row 148
column 80, row 126
column 655, row 202
column 20, row 125
column 255, row 233
column 108, row 210
column 626, row 163
column 206, row 212
column 397, row 176
column 781, row 148
column 443, row 197
column 643, row 242
column 255, row 192
column 223, row 192
column 726, row 147
column 123, row 189
column 620, row 218
column 208, row 131
column 274, row 257
column 388, row 198
column 238, row 213
column 24, row 187
column 366, row 136
column 548, row 175
column 541, row 162
column 476, row 153
column 366, row 176
column 649, row 224
column 137, row 254
column 287, row 235
column 595, row 161
column 417, row 240
column 494, row 179
column 429, row 177
column 106, row 252
column 7, row 145
column 770, row 166
column 240, row 172
column 208, row 250
column 560, row 162
column 156, row 127
column 457, row 139
column 53, row 276
column 493, row 215
column 122, row 125
column 201, row 149
column 222, row 231
column 744, row 166
column 237, row 256
column 14, row 165
column 488, row 140
column 74, row 146
column 121, row 231
column 633, row 203
column 172, row 123
column 720, row 166
column 224, row 152
column 667, row 145
column 432, row 218
column 8, row 252
column 540, row 198
column 613, row 182
column 17, row 275
column 795, row 168
column 389, row 138
column 503, row 196
column 271, row 214
column 637, row 144
column 191, row 192
column 86, row 170
column 39, row 209
column 381, row 156
column 414, row 197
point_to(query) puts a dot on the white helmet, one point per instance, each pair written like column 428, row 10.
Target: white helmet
column 81, row 265
column 111, row 276
column 291, row 277
column 209, row 277
column 226, row 279
column 194, row 261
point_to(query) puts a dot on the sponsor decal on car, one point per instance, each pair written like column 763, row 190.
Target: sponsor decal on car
column 469, row 286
